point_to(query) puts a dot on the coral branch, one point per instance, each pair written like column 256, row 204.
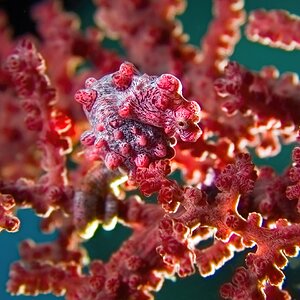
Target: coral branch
column 27, row 70
column 223, row 32
column 271, row 101
column 275, row 28
column 8, row 221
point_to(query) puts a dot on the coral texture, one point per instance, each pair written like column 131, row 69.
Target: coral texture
column 90, row 140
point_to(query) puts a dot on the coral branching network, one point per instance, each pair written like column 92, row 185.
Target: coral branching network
column 88, row 134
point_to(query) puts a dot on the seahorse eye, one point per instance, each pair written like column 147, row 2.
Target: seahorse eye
column 182, row 124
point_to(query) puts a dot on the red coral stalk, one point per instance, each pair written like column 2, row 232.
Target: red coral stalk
column 275, row 28
column 8, row 221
